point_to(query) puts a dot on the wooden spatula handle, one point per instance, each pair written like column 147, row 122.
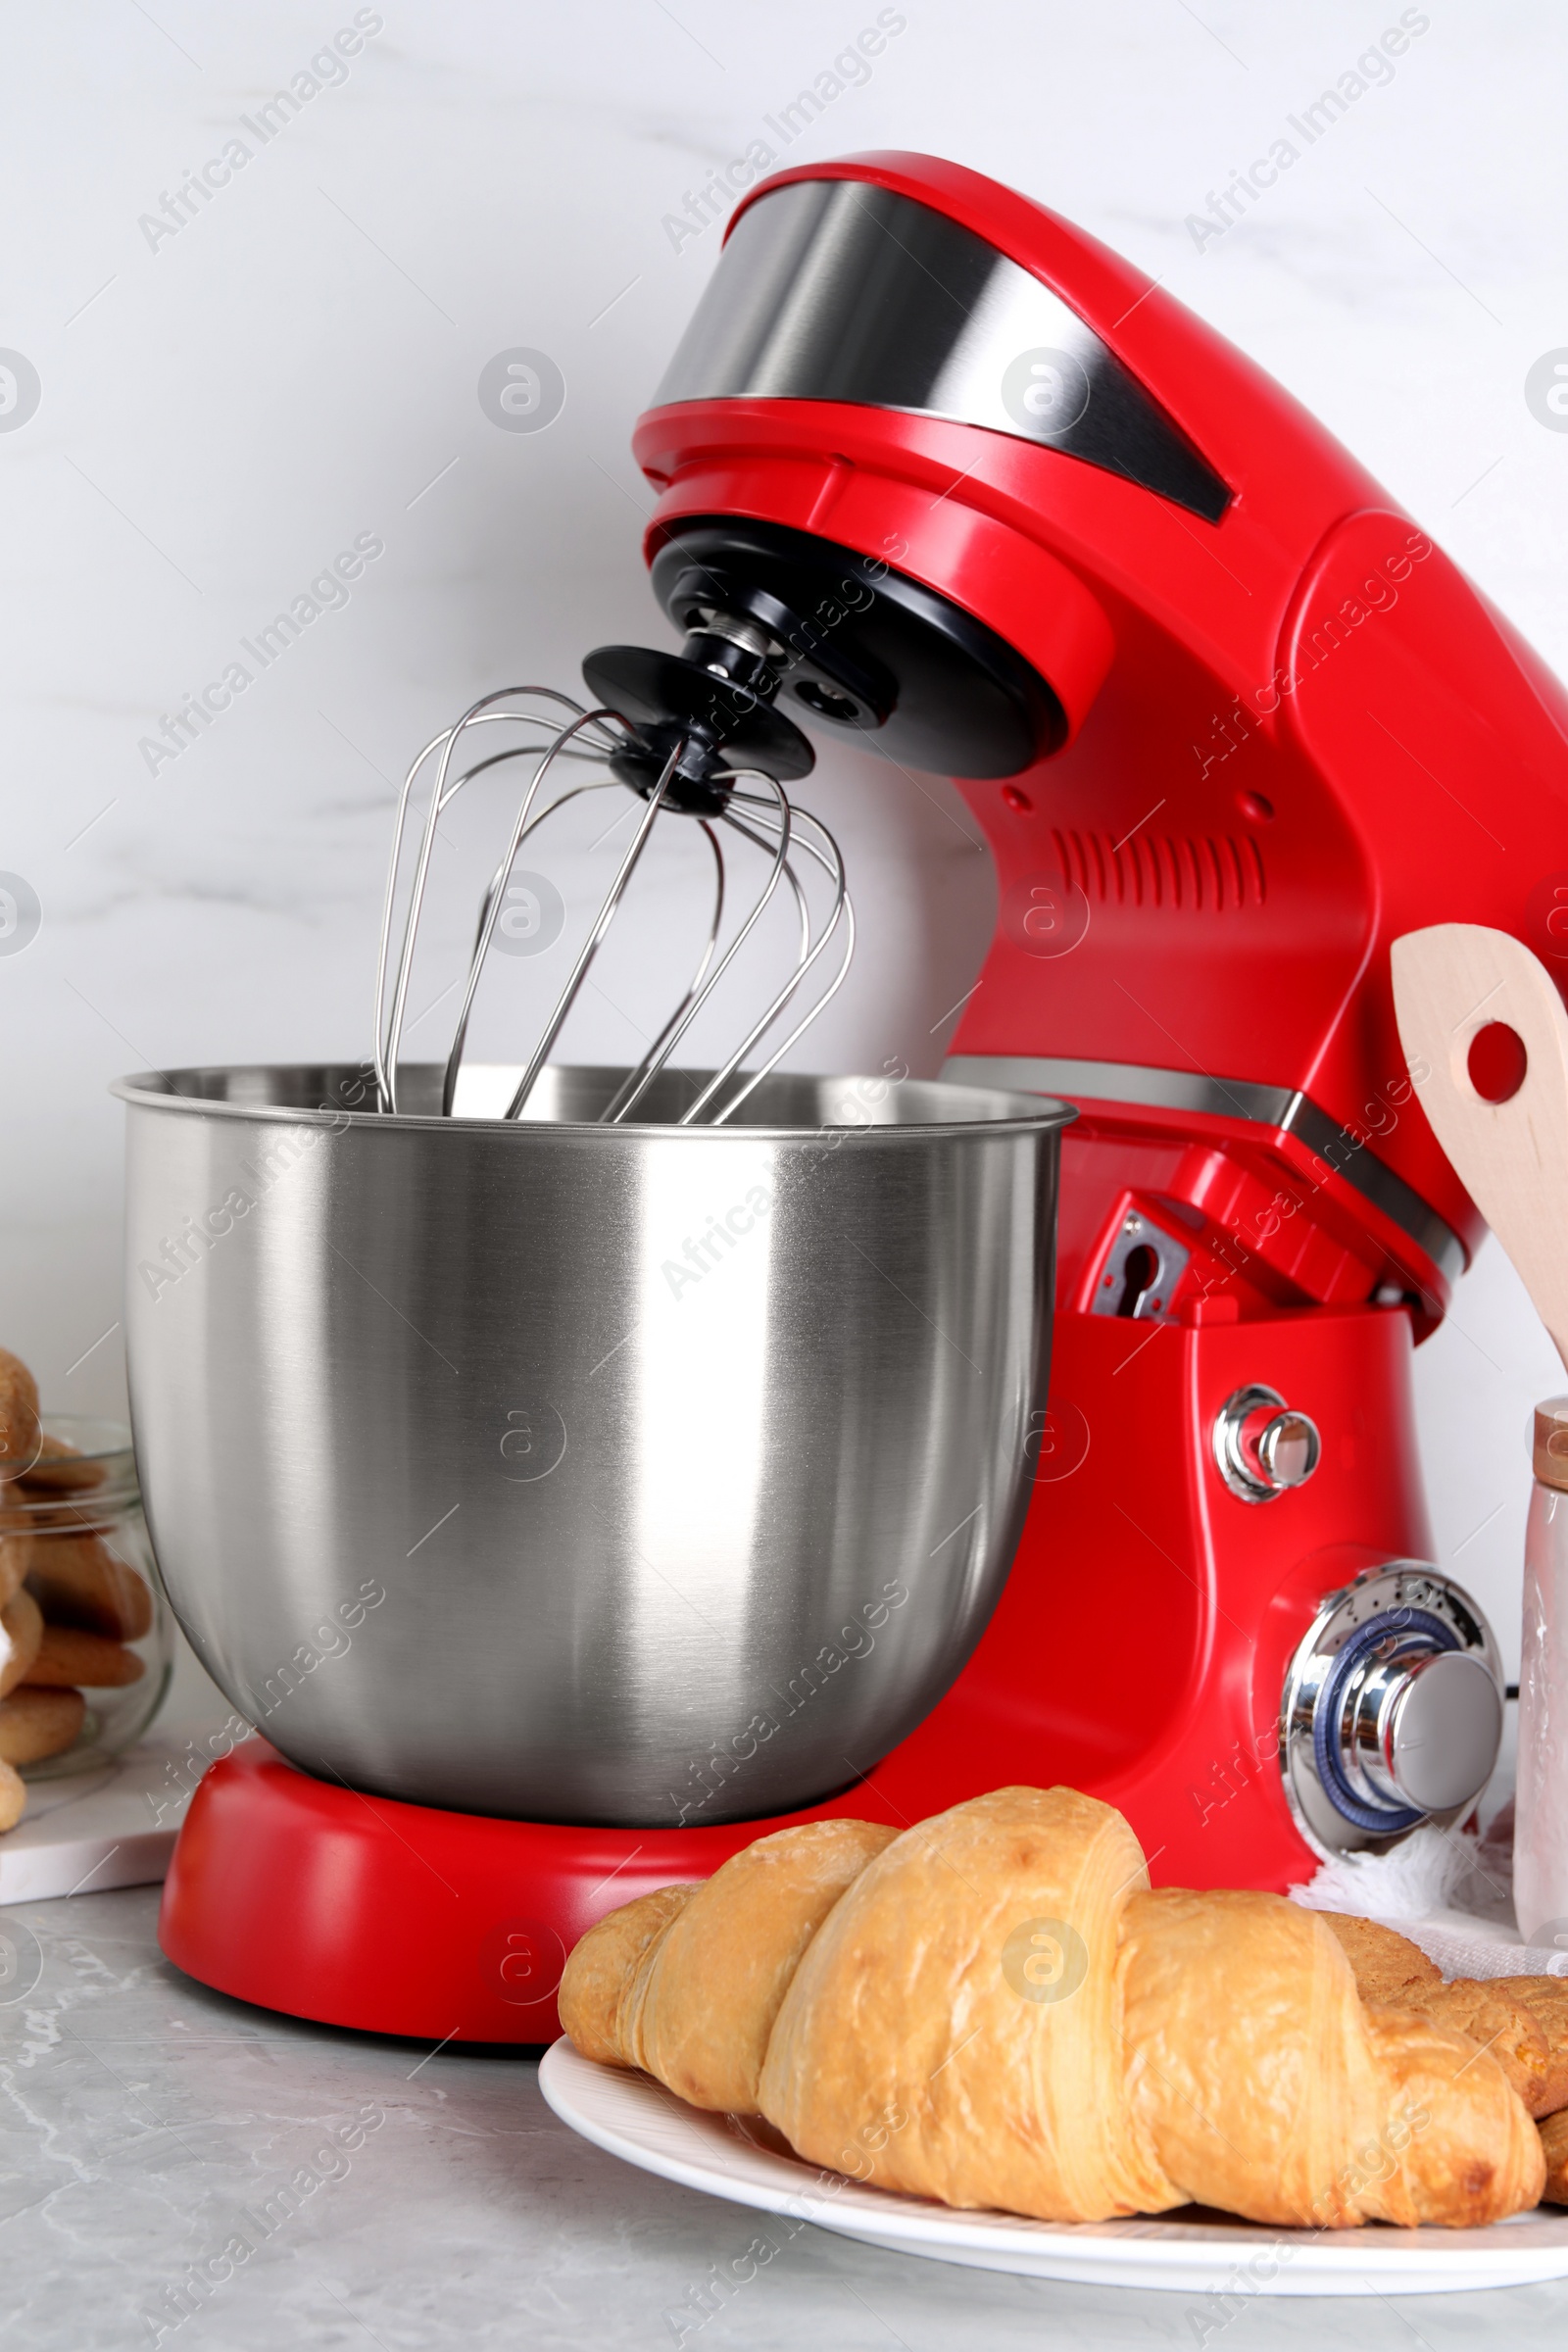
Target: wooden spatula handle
column 1512, row 1157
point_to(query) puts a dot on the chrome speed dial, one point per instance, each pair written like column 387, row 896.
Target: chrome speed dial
column 1393, row 1709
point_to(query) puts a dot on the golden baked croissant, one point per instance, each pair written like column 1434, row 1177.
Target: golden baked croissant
column 686, row 1983
column 993, row 2009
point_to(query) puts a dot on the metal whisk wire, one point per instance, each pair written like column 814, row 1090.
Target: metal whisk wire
column 827, row 855
column 389, row 1023
column 770, row 824
column 595, row 940
column 655, row 1059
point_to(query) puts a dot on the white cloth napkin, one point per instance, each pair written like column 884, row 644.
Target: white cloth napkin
column 1450, row 1893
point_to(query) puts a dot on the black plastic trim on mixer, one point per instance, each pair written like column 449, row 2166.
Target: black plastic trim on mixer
column 857, row 646
column 714, row 700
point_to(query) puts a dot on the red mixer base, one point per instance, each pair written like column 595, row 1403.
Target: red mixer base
column 363, row 1911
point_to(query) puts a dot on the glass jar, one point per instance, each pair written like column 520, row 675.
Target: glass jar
column 1541, row 1805
column 73, row 1537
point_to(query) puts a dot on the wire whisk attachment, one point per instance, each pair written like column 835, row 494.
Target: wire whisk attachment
column 676, row 770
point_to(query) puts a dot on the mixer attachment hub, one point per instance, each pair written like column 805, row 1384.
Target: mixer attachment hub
column 714, row 700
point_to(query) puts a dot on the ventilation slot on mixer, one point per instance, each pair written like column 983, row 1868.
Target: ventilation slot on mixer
column 1192, row 873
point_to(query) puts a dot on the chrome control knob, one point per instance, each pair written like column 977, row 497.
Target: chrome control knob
column 1263, row 1447
column 1420, row 1726
column 1393, row 1709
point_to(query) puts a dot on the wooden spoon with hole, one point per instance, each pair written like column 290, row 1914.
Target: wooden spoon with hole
column 1480, row 1012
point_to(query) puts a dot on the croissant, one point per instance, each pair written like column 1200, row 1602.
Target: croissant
column 686, row 1983
column 991, row 2009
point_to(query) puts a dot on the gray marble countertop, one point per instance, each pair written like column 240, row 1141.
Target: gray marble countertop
column 394, row 2196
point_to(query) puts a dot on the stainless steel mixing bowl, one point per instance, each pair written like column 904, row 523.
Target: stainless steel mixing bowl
column 636, row 1474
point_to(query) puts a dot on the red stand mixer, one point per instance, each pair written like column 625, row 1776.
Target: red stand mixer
column 985, row 497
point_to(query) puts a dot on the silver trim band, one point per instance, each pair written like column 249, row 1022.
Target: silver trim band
column 835, row 289
column 1282, row 1108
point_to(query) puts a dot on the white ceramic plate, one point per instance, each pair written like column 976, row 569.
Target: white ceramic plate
column 638, row 2119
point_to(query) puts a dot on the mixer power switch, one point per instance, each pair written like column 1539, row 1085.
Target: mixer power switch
column 1263, row 1446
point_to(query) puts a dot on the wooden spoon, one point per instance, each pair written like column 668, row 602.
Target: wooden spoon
column 1511, row 1155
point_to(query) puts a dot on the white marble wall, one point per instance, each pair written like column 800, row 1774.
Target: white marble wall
column 224, row 407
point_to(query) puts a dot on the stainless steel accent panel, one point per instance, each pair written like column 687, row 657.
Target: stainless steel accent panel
column 1278, row 1106
column 586, row 1472
column 1404, row 1729
column 832, row 289
column 1131, row 1082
